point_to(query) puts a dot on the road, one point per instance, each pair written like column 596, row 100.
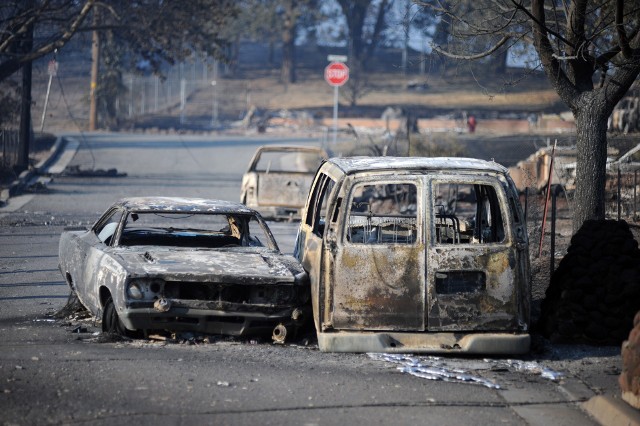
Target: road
column 50, row 374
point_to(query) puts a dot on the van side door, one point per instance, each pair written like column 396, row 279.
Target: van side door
column 378, row 259
column 472, row 277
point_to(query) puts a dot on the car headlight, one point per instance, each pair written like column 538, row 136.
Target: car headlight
column 135, row 292
column 145, row 289
column 302, row 278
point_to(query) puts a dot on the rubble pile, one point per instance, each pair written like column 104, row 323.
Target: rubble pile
column 595, row 291
column 630, row 377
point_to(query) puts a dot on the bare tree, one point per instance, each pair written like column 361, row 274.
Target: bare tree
column 53, row 21
column 167, row 31
column 589, row 50
column 366, row 21
column 293, row 12
column 159, row 32
column 363, row 38
column 277, row 20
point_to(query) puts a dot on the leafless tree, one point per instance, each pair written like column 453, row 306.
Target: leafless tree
column 292, row 11
column 366, row 20
column 589, row 50
column 54, row 22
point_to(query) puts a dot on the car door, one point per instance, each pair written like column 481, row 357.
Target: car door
column 311, row 243
column 94, row 244
column 472, row 278
column 378, row 261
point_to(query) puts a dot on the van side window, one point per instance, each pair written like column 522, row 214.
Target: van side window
column 383, row 213
column 467, row 213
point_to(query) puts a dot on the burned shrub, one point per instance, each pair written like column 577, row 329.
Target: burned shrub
column 595, row 291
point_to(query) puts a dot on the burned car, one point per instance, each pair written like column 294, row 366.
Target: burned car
column 181, row 264
column 416, row 255
column 278, row 179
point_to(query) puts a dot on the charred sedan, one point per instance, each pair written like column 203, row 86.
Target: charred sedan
column 185, row 265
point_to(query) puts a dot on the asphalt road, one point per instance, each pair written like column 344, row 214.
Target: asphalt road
column 50, row 374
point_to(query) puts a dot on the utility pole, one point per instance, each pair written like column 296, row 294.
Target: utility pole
column 25, row 108
column 406, row 23
column 95, row 64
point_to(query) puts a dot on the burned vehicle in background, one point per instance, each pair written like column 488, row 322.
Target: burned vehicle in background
column 416, row 255
column 278, row 179
column 181, row 264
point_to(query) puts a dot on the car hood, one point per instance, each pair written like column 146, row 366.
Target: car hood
column 227, row 265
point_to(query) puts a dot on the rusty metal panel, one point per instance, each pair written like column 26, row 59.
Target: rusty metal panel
column 493, row 308
column 283, row 189
column 379, row 287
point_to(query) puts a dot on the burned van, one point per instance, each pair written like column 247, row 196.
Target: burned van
column 416, row 255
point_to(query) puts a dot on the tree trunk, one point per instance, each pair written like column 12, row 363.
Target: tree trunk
column 591, row 129
column 287, row 73
column 25, row 120
column 26, row 100
column 500, row 61
column 95, row 70
column 270, row 53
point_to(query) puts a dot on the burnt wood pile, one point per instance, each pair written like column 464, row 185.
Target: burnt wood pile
column 594, row 293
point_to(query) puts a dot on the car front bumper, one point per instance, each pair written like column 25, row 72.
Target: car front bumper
column 180, row 317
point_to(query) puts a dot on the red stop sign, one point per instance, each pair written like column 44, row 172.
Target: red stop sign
column 336, row 73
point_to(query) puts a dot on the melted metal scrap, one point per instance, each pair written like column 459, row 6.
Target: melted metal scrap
column 436, row 368
column 431, row 368
column 534, row 368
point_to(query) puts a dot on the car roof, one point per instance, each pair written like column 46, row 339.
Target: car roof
column 182, row 204
column 351, row 165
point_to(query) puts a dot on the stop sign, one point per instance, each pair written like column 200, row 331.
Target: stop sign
column 336, row 73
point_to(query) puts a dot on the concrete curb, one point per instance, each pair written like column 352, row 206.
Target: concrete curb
column 610, row 411
column 35, row 175
column 605, row 409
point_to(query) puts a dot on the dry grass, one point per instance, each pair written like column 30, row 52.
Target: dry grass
column 257, row 84
column 442, row 93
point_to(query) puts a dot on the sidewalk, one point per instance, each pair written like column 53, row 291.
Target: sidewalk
column 54, row 162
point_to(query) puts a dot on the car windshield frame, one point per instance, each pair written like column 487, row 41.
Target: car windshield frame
column 194, row 229
column 304, row 161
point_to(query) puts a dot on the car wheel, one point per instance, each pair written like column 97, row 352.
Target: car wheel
column 111, row 322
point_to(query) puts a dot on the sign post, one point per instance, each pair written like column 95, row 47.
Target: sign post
column 336, row 74
column 52, row 69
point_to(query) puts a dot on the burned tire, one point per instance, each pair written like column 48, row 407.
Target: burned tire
column 111, row 322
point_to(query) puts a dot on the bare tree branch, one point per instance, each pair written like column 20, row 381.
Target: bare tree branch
column 536, row 20
column 12, row 62
column 484, row 54
column 622, row 35
column 64, row 38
